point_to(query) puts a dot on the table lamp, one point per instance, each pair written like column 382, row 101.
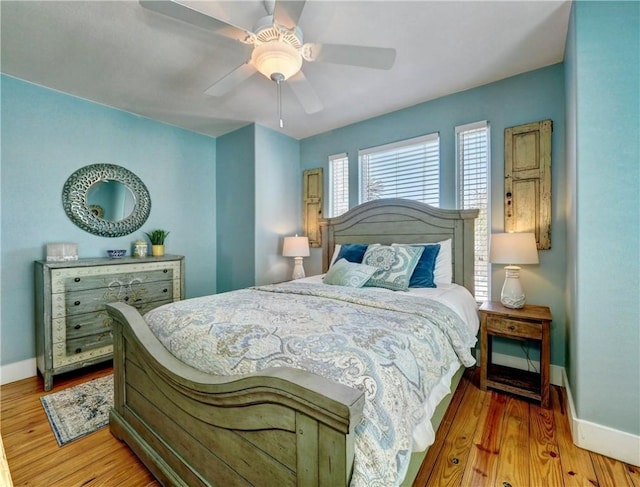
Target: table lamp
column 511, row 249
column 296, row 247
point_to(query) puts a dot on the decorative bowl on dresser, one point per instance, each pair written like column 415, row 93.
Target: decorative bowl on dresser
column 73, row 329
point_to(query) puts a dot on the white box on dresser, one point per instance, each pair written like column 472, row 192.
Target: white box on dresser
column 73, row 329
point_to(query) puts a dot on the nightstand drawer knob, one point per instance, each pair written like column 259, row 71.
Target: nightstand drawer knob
column 76, row 303
column 77, row 279
column 511, row 327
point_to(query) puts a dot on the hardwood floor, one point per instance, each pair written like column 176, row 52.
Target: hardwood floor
column 485, row 439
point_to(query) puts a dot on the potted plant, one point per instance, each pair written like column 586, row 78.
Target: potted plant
column 157, row 242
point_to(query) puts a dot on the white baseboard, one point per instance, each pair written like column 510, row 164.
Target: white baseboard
column 597, row 438
column 594, row 437
column 18, row 371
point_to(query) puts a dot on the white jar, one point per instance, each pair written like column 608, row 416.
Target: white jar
column 140, row 248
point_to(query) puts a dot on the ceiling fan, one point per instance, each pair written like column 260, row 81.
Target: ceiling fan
column 278, row 50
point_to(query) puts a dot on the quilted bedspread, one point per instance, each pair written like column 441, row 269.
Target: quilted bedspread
column 392, row 346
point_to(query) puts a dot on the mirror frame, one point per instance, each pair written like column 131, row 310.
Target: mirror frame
column 74, row 200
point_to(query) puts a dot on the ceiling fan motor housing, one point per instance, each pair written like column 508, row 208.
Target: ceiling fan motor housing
column 277, row 49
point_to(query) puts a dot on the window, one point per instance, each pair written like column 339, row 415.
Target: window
column 408, row 169
column 472, row 163
column 338, row 184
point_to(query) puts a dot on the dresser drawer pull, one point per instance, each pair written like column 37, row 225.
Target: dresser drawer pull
column 77, row 327
column 77, row 303
column 165, row 270
column 165, row 290
column 511, row 327
column 77, row 279
column 78, row 350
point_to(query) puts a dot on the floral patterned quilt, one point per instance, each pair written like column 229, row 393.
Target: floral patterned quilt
column 392, row 346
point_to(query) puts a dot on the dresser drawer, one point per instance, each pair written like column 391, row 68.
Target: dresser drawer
column 86, row 324
column 123, row 279
column 91, row 342
column 514, row 328
column 135, row 294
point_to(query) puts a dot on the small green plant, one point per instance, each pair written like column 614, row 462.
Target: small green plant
column 157, row 236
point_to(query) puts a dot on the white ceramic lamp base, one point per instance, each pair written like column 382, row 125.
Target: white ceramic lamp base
column 298, row 270
column 512, row 295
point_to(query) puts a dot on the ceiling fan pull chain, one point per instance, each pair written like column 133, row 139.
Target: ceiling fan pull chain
column 279, row 78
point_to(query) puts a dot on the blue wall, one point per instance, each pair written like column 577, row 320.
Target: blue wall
column 603, row 113
column 46, row 136
column 259, row 198
column 278, row 190
column 529, row 97
column 235, row 190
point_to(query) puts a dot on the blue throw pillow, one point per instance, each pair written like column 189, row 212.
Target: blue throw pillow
column 352, row 252
column 423, row 274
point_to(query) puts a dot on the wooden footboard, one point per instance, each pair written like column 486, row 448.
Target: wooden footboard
column 282, row 427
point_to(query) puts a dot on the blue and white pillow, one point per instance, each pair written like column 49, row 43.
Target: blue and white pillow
column 395, row 265
column 345, row 273
column 424, row 273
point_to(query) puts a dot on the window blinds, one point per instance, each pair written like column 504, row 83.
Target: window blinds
column 472, row 150
column 408, row 169
column 339, row 182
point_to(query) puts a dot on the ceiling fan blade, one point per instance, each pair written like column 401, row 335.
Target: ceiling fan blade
column 367, row 57
column 190, row 16
column 305, row 93
column 287, row 12
column 231, row 80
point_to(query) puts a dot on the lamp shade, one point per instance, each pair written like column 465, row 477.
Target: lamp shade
column 513, row 248
column 276, row 57
column 295, row 247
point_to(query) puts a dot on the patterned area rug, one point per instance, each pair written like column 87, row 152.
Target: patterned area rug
column 79, row 410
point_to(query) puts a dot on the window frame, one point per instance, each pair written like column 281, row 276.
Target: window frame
column 460, row 197
column 343, row 159
column 404, row 144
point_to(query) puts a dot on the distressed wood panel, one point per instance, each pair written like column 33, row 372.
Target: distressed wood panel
column 527, row 187
column 312, row 205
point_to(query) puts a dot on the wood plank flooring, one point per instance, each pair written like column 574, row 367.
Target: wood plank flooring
column 486, row 439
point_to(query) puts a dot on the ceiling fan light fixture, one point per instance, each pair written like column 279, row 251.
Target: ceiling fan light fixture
column 276, row 57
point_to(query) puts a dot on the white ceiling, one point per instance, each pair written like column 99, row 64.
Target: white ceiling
column 122, row 55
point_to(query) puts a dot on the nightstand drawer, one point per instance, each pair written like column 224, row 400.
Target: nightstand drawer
column 514, row 328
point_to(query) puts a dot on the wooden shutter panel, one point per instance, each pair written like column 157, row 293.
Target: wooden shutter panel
column 527, row 183
column 312, row 205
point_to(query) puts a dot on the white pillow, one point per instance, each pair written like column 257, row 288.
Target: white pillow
column 336, row 251
column 443, row 270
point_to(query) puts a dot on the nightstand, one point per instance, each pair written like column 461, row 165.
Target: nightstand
column 531, row 323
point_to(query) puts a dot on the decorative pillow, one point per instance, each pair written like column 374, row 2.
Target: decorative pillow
column 345, row 273
column 443, row 271
column 352, row 252
column 395, row 265
column 423, row 274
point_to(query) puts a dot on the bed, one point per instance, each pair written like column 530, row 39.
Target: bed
column 233, row 422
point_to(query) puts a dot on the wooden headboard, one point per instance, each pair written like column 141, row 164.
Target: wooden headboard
column 387, row 221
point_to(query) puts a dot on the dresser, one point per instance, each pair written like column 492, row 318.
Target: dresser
column 73, row 329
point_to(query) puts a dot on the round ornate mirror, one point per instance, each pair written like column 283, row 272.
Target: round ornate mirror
column 106, row 200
